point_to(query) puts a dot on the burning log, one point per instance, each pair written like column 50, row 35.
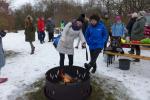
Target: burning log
column 66, row 78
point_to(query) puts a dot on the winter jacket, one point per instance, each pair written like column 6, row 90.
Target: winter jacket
column 118, row 29
column 108, row 24
column 30, row 33
column 50, row 26
column 130, row 25
column 41, row 25
column 96, row 36
column 137, row 32
column 2, row 56
column 66, row 42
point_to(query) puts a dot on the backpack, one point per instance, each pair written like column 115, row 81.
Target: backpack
column 56, row 40
column 115, row 44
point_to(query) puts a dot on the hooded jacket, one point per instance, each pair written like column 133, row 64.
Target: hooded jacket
column 96, row 36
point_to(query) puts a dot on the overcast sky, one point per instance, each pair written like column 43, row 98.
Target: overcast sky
column 18, row 3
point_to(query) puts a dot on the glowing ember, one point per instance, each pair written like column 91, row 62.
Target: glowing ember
column 65, row 77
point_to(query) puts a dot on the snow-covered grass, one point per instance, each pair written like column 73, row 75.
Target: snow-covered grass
column 24, row 69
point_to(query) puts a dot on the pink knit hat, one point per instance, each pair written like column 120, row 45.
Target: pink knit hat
column 117, row 18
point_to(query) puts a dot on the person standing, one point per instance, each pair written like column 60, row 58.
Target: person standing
column 130, row 26
column 62, row 25
column 107, row 23
column 50, row 26
column 84, row 27
column 71, row 31
column 137, row 32
column 30, row 32
column 2, row 56
column 118, row 28
column 41, row 29
column 96, row 36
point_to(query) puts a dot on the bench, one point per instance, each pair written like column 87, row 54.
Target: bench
column 127, row 55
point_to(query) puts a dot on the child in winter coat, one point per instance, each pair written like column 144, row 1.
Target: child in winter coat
column 118, row 28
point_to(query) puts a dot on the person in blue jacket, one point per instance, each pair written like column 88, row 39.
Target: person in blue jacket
column 96, row 36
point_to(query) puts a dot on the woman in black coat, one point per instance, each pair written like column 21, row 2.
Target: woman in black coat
column 130, row 26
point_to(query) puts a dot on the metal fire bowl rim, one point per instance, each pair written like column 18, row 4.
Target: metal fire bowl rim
column 70, row 84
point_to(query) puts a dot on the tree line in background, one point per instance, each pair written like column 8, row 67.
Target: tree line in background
column 69, row 9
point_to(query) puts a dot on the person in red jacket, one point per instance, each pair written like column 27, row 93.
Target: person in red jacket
column 41, row 29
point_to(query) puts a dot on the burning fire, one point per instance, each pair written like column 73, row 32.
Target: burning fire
column 65, row 77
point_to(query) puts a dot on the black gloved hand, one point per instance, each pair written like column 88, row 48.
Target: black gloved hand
column 83, row 45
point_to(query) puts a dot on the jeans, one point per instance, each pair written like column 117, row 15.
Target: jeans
column 41, row 36
column 62, row 59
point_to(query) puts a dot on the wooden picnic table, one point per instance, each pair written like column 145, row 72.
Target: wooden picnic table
column 128, row 55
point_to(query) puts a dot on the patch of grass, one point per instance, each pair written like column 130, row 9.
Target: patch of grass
column 97, row 92
column 38, row 95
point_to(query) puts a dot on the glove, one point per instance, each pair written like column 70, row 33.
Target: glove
column 83, row 45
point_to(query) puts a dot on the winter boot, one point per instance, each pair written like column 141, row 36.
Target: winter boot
column 94, row 69
column 32, row 51
column 76, row 47
column 87, row 66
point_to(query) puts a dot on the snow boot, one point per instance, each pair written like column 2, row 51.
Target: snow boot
column 76, row 47
column 87, row 66
column 32, row 51
column 94, row 69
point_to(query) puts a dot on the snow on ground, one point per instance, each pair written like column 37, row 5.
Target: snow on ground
column 24, row 69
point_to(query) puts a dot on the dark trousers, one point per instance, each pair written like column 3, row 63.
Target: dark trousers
column 137, row 48
column 31, row 44
column 62, row 59
column 41, row 36
column 32, row 47
column 105, row 44
column 50, row 36
column 38, row 33
column 94, row 55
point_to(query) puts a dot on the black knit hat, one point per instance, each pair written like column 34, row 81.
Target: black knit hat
column 95, row 17
column 80, row 19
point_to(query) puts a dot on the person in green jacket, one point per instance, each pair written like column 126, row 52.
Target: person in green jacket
column 30, row 32
column 137, row 32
